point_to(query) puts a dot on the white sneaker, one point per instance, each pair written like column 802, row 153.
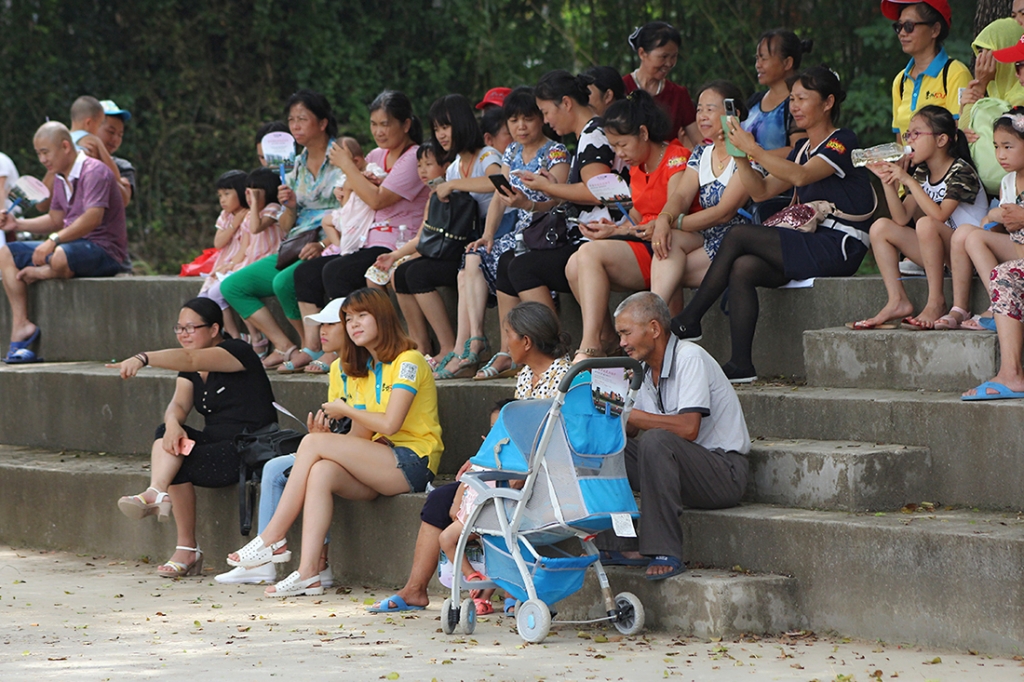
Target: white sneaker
column 909, row 267
column 327, row 577
column 266, row 574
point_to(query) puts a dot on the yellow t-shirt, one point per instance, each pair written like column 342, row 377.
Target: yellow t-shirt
column 421, row 431
column 927, row 89
column 338, row 388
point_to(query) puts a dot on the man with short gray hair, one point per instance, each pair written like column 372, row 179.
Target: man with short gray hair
column 691, row 452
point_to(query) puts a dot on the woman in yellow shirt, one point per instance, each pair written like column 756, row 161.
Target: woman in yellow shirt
column 394, row 446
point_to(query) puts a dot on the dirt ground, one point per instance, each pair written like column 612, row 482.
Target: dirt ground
column 85, row 617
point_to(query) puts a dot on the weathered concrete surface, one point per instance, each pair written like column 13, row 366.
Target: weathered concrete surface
column 953, row 578
column 50, row 500
column 701, row 603
column 100, row 319
column 901, row 359
column 837, row 475
column 975, row 446
column 68, row 501
column 86, row 406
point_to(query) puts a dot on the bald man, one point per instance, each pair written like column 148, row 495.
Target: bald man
column 86, row 232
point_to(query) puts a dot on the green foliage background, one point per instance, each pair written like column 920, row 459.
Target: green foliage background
column 199, row 78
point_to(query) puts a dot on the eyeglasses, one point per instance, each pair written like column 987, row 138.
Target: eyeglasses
column 907, row 26
column 188, row 328
column 912, row 135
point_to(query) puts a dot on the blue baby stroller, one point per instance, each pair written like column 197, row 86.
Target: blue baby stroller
column 570, row 457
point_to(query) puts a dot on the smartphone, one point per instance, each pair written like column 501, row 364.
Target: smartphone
column 501, row 184
column 730, row 110
column 186, row 446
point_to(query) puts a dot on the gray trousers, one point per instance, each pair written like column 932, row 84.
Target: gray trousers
column 671, row 473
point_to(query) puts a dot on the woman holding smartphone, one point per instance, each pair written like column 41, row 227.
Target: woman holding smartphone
column 223, row 380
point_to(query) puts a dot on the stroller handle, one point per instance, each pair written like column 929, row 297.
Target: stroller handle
column 598, row 363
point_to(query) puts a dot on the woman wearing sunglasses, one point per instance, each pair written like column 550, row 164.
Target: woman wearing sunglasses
column 931, row 76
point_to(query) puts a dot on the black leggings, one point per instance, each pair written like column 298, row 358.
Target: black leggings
column 345, row 274
column 309, row 280
column 750, row 256
column 540, row 268
column 423, row 275
column 213, row 463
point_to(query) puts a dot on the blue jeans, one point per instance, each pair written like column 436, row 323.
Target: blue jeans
column 275, row 477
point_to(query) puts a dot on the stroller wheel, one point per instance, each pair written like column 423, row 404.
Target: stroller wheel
column 467, row 616
column 533, row 620
column 449, row 616
column 629, row 619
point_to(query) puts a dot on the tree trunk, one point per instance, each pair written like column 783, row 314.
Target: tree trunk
column 988, row 11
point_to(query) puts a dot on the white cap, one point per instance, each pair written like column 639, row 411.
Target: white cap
column 331, row 314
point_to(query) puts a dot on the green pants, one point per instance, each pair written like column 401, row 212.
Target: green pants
column 244, row 289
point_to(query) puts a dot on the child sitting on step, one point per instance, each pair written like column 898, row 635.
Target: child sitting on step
column 944, row 193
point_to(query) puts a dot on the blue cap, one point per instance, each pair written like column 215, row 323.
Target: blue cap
column 111, row 109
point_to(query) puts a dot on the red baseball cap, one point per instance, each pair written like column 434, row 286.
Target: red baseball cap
column 1010, row 55
column 495, row 96
column 891, row 8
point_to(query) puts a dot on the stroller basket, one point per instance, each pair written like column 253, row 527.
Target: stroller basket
column 554, row 578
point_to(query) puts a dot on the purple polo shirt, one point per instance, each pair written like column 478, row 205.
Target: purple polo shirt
column 91, row 184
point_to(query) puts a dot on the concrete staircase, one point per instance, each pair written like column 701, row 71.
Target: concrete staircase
column 820, row 541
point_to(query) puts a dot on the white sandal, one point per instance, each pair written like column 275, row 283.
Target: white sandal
column 136, row 507
column 256, row 554
column 294, row 586
column 177, row 569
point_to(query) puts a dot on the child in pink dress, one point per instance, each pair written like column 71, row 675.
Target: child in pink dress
column 247, row 230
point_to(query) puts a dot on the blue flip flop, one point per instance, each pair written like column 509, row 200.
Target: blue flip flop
column 18, row 345
column 22, row 356
column 610, row 557
column 1001, row 392
column 399, row 605
column 662, row 560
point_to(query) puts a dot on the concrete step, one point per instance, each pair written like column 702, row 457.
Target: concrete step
column 902, row 359
column 85, row 406
column 67, row 501
column 947, row 578
column 701, row 603
column 974, row 446
column 837, row 475
column 100, row 319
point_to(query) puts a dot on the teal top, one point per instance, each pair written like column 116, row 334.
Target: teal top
column 314, row 195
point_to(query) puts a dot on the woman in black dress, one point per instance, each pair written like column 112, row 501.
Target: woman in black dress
column 224, row 380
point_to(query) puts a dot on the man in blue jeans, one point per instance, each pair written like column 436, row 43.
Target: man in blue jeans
column 87, row 236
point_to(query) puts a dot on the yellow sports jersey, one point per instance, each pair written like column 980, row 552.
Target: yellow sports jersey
column 939, row 84
column 421, row 431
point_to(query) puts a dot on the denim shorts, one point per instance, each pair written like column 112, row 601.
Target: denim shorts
column 84, row 258
column 414, row 468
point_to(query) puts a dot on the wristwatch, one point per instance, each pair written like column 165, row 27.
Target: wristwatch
column 55, row 238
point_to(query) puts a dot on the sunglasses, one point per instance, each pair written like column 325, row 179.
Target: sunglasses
column 907, row 26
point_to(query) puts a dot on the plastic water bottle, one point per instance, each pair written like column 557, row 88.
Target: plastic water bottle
column 403, row 236
column 890, row 151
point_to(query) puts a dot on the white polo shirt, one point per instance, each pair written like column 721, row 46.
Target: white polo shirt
column 692, row 381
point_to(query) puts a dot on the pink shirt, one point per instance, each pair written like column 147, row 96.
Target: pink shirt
column 404, row 181
column 90, row 184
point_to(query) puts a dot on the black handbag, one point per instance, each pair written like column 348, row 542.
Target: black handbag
column 450, row 226
column 290, row 248
column 255, row 449
column 548, row 230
